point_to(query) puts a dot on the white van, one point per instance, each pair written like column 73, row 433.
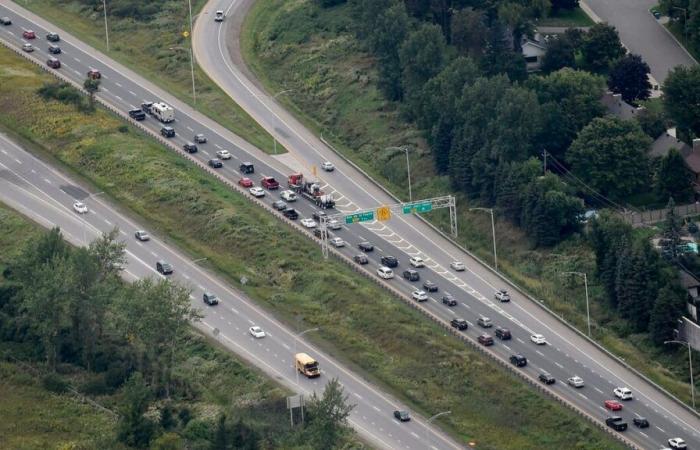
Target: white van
column 385, row 272
column 163, row 112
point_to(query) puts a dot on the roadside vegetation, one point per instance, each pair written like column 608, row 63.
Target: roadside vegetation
column 374, row 333
column 372, row 89
column 147, row 38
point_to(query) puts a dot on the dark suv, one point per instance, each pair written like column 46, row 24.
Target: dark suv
column 52, row 37
column 168, row 132
column 502, row 333
column 485, row 339
column 546, row 378
column 54, row 49
column 430, row 286
column 291, row 214
column 137, row 114
column 460, row 324
column 390, row 261
column 640, row 422
column 616, row 423
column 518, row 360
column 365, row 246
column 190, row 147
column 247, row 168
column 411, row 275
column 361, row 259
column 210, row 299
column 449, row 300
column 164, row 268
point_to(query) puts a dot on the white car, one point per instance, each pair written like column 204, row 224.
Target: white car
column 80, row 207
column 219, row 16
column 677, row 443
column 337, row 242
column 385, row 272
column 502, row 295
column 288, row 196
column 575, row 381
column 623, row 393
column 256, row 332
column 28, row 47
column 333, row 225
column 420, row 296
column 256, row 191
column 223, row 154
column 417, row 261
column 308, row 223
column 458, row 266
column 328, row 166
column 538, row 339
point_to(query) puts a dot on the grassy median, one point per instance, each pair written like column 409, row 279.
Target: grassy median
column 361, row 324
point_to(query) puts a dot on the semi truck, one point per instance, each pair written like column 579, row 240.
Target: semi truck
column 310, row 190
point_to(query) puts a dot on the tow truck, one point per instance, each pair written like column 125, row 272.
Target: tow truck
column 310, row 190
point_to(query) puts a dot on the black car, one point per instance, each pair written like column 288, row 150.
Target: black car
column 5, row 21
column 361, row 259
column 640, row 422
column 54, row 49
column 164, row 268
column 247, row 167
column 216, row 163
column 168, row 132
column 210, row 299
column 616, row 423
column 279, row 205
column 460, row 324
column 137, row 114
column 390, row 261
column 430, row 286
column 365, row 246
column 403, row 416
column 291, row 214
column 318, row 233
column 190, row 147
column 449, row 300
column 318, row 214
column 546, row 378
column 518, row 360
column 502, row 333
column 52, row 37
column 411, row 275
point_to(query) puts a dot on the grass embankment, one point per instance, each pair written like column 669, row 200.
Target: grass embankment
column 567, row 18
column 337, row 96
column 379, row 336
column 157, row 50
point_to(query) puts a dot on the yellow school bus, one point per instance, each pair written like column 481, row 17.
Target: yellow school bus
column 306, row 365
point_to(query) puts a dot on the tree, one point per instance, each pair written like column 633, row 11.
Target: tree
column 328, row 414
column 607, row 234
column 468, row 31
column 652, row 123
column 385, row 41
column 560, row 54
column 499, row 57
column 221, row 436
column 601, row 46
column 611, row 155
column 672, row 229
column 168, row 441
column 91, row 85
column 668, row 308
column 682, row 99
column 636, row 284
column 133, row 428
column 629, row 76
column 422, row 56
column 673, row 177
column 513, row 178
column 558, row 5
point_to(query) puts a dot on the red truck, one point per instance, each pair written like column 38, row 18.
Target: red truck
column 269, row 183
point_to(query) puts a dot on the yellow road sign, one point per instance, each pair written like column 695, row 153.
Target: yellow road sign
column 383, row 213
column 185, row 33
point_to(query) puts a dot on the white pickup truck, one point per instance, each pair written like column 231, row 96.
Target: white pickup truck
column 219, row 16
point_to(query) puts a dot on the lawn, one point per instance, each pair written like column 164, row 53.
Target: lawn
column 337, row 97
column 155, row 56
column 567, row 18
column 287, row 274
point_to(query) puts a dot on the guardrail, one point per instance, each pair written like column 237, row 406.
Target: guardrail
column 347, row 260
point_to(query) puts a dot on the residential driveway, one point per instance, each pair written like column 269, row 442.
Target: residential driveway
column 641, row 34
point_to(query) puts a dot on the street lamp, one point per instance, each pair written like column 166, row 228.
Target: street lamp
column 104, row 6
column 444, row 413
column 408, row 170
column 194, row 95
column 585, row 283
column 194, row 92
column 690, row 363
column 296, row 339
column 493, row 232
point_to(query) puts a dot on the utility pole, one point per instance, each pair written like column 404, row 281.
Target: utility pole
column 104, row 6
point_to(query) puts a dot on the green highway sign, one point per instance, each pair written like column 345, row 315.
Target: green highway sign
column 422, row 207
column 365, row 216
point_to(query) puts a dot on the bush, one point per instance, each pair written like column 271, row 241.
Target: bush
column 96, row 386
column 63, row 92
column 123, row 128
column 54, row 383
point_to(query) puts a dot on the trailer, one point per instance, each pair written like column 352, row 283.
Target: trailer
column 310, row 190
column 163, row 112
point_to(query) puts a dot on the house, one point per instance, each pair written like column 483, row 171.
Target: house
column 691, row 154
column 533, row 52
column 619, row 108
column 692, row 285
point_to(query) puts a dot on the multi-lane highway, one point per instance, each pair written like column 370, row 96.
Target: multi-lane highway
column 566, row 354
column 46, row 195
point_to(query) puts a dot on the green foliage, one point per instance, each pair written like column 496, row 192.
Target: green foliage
column 682, row 99
column 422, row 56
column 611, row 155
column 328, row 414
column 601, row 47
column 61, row 91
column 672, row 230
column 134, row 429
column 560, row 54
column 668, row 308
column 91, row 85
column 500, row 58
column 54, row 383
column 673, row 178
column 468, row 31
column 652, row 123
column 629, row 76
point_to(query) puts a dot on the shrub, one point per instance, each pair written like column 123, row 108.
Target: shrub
column 54, row 383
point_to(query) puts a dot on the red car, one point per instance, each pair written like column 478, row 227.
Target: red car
column 269, row 183
column 28, row 34
column 246, row 182
column 94, row 74
column 613, row 405
column 53, row 63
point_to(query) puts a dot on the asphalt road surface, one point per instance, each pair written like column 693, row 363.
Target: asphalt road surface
column 566, row 354
column 642, row 34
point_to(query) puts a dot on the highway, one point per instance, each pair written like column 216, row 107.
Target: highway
column 46, row 195
column 566, row 354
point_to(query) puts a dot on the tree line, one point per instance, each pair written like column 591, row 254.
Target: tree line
column 64, row 306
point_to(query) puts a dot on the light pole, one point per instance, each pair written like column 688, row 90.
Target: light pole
column 296, row 339
column 194, row 95
column 444, row 413
column 493, row 233
column 104, row 6
column 690, row 363
column 585, row 283
column 189, row 50
column 408, row 169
